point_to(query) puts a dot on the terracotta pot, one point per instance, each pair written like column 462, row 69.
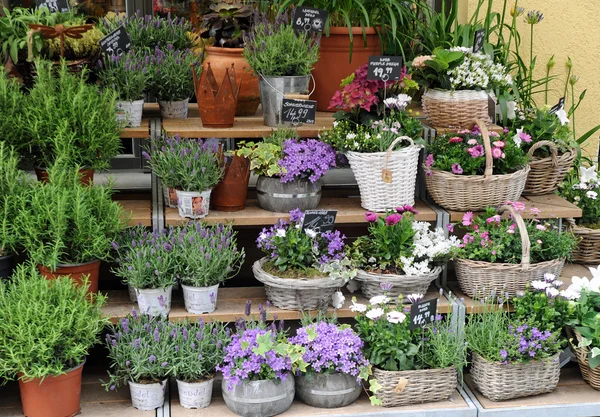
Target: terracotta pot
column 230, row 194
column 87, row 175
column 222, row 58
column 334, row 63
column 55, row 396
column 76, row 272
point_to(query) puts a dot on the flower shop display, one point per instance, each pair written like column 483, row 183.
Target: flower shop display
column 283, row 60
column 171, row 81
column 303, row 268
column 227, row 24
column 66, row 228
column 217, row 97
column 139, row 348
column 47, row 328
column 457, row 82
column 231, row 192
column 409, row 366
column 402, row 254
column 471, row 170
column 505, row 254
column 335, row 365
column 130, row 76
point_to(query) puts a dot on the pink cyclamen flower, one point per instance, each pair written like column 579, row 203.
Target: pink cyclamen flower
column 455, row 139
column 525, row 137
column 499, row 144
column 467, row 219
column 392, row 219
column 457, row 169
column 497, row 153
column 371, row 217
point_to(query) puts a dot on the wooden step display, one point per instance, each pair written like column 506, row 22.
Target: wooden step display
column 140, row 211
column 141, row 132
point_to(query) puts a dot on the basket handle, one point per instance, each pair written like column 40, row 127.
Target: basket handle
column 571, row 222
column 393, row 145
column 548, row 143
column 525, row 242
column 489, row 161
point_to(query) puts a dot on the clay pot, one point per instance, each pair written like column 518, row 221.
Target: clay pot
column 55, row 396
column 222, row 58
column 87, row 175
column 77, row 272
column 334, row 62
column 230, row 194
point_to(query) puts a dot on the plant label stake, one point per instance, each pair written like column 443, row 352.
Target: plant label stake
column 319, row 220
column 384, row 68
column 308, row 19
column 61, row 6
column 559, row 106
column 422, row 313
column 298, row 111
column 116, row 42
column 478, row 40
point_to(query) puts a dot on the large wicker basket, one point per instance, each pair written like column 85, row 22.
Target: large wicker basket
column 476, row 192
column 297, row 293
column 591, row 376
column 546, row 174
column 402, row 284
column 588, row 248
column 422, row 386
column 369, row 170
column 455, row 109
column 480, row 278
column 500, row 382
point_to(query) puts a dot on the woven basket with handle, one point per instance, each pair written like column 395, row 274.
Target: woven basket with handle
column 455, row 109
column 297, row 293
column 591, row 376
column 476, row 192
column 588, row 248
column 480, row 278
column 402, row 284
column 378, row 193
column 500, row 382
column 415, row 387
column 546, row 174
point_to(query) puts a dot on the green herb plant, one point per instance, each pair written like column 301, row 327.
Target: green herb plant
column 585, row 321
column 13, row 184
column 12, row 123
column 171, row 74
column 129, row 75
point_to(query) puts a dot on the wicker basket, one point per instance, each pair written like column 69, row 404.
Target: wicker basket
column 547, row 173
column 500, row 382
column 455, row 109
column 423, row 386
column 588, row 249
column 297, row 293
column 369, row 170
column 403, row 284
column 591, row 376
column 480, row 278
column 476, row 192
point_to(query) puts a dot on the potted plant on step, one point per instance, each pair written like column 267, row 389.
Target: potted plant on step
column 230, row 194
column 12, row 117
column 45, row 346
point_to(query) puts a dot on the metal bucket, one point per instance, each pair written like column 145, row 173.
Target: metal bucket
column 327, row 390
column 260, row 398
column 278, row 197
column 272, row 92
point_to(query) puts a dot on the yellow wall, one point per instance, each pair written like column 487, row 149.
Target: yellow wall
column 571, row 28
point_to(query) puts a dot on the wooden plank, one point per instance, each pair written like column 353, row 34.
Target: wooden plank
column 231, row 304
column 141, row 132
column 445, row 131
column 349, row 212
column 140, row 211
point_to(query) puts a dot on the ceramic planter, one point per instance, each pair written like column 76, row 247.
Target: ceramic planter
column 174, row 109
column 87, row 175
column 129, row 113
column 77, row 273
column 54, row 396
column 195, row 394
column 192, row 204
column 272, row 92
column 327, row 390
column 7, row 264
column 170, row 196
column 132, row 294
column 273, row 195
column 147, row 397
column 230, row 194
column 155, row 301
column 260, row 398
column 200, row 300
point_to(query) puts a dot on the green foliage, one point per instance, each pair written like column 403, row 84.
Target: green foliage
column 129, row 75
column 433, row 72
column 583, row 192
column 65, row 222
column 542, row 311
column 65, row 116
column 171, row 74
column 88, row 46
column 12, row 118
column 444, row 346
column 264, row 157
column 46, row 326
column 541, row 125
column 587, row 321
column 227, row 23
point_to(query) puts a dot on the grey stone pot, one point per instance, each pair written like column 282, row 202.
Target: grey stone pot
column 327, row 390
column 273, row 195
column 260, row 398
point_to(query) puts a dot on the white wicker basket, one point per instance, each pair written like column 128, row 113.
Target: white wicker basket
column 369, row 168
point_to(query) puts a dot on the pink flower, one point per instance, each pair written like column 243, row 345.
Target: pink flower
column 493, row 219
column 450, row 227
column 540, row 227
column 468, row 239
column 485, row 235
column 392, row 219
column 457, row 169
column 455, row 139
column 497, row 153
column 371, row 217
column 467, row 219
column 517, row 205
column 499, row 144
column 539, row 242
column 476, row 151
column 494, row 135
column 429, row 161
column 535, row 211
column 510, row 231
column 525, row 137
column 472, row 142
column 506, row 130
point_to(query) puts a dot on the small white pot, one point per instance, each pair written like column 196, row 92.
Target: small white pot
column 200, row 300
column 193, row 205
column 147, row 397
column 129, row 113
column 195, row 394
column 170, row 196
column 174, row 109
column 132, row 294
column 154, row 301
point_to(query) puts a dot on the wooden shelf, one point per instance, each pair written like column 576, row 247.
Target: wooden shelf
column 140, row 211
column 349, row 212
column 142, row 132
column 231, row 304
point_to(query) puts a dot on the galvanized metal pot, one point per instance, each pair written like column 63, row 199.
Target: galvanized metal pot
column 327, row 390
column 260, row 398
column 272, row 92
column 273, row 195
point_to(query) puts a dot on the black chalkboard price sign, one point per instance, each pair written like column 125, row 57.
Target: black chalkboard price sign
column 384, row 68
column 54, row 5
column 422, row 313
column 560, row 105
column 308, row 19
column 116, row 42
column 319, row 220
column 479, row 40
column 299, row 111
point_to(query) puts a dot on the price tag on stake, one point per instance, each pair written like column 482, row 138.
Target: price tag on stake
column 308, row 19
column 560, row 105
column 54, row 5
column 116, row 42
column 478, row 40
column 384, row 68
column 298, row 111
column 422, row 313
column 319, row 220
